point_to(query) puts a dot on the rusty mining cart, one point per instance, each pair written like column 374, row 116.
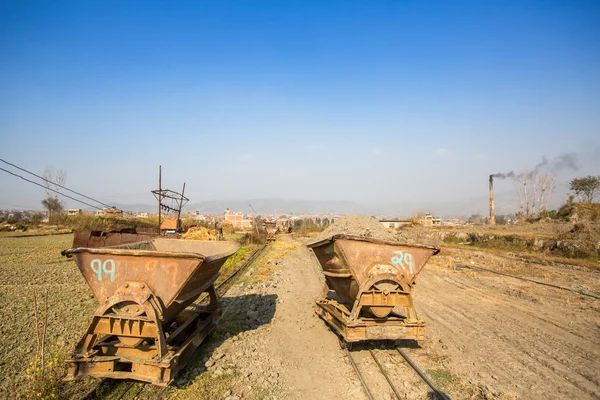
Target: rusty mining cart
column 367, row 293
column 271, row 228
column 147, row 325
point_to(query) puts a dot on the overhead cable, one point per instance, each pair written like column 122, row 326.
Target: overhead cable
column 52, row 190
column 56, row 184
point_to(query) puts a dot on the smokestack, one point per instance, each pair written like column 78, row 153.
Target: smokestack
column 492, row 217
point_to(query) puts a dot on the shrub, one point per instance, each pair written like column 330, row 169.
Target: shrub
column 36, row 219
column 227, row 227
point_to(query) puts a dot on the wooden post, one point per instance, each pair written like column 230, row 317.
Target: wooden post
column 159, row 195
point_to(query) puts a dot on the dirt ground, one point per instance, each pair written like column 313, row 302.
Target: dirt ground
column 487, row 336
column 513, row 338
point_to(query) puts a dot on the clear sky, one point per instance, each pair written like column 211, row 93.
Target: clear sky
column 367, row 101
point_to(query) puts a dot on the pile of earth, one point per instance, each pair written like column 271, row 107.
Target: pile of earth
column 583, row 237
column 199, row 233
column 357, row 225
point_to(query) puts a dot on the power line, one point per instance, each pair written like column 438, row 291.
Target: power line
column 56, row 184
column 52, row 190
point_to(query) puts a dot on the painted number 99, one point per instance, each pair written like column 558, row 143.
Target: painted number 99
column 106, row 268
column 403, row 258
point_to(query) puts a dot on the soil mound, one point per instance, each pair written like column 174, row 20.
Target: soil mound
column 199, row 233
column 583, row 237
column 357, row 225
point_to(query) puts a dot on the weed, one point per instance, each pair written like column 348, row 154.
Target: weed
column 442, row 377
column 44, row 374
column 208, row 386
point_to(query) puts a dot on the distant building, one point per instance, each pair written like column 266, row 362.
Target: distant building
column 237, row 220
column 142, row 215
column 110, row 212
column 170, row 226
column 393, row 223
column 430, row 220
column 74, row 211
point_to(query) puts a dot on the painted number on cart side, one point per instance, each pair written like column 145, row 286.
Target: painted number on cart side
column 403, row 259
column 106, row 269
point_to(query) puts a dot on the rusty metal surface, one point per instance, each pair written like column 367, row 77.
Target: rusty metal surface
column 93, row 239
column 271, row 227
column 371, row 281
column 175, row 270
column 143, row 328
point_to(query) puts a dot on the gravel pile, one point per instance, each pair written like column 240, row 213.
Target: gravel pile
column 357, row 225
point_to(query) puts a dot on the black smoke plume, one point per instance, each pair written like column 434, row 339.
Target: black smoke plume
column 501, row 175
column 568, row 161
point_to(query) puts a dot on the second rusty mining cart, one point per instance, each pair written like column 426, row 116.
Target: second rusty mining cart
column 367, row 293
column 147, row 325
column 271, row 228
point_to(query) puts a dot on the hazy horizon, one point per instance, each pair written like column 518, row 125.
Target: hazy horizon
column 372, row 103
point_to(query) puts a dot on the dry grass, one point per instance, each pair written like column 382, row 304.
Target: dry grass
column 537, row 258
column 207, row 386
column 34, row 264
column 200, row 233
column 276, row 251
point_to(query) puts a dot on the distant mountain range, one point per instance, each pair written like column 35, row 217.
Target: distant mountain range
column 505, row 203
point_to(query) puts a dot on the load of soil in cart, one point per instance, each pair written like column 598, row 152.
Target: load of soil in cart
column 357, row 225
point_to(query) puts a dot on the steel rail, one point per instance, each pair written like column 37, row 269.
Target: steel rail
column 529, row 280
column 92, row 391
column 90, row 394
column 160, row 394
column 246, row 264
column 127, row 391
column 410, row 362
column 385, row 375
column 359, row 374
column 428, row 381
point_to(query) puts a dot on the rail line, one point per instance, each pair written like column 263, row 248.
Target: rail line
column 463, row 266
column 93, row 392
column 439, row 394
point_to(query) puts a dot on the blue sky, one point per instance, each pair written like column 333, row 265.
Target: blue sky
column 364, row 101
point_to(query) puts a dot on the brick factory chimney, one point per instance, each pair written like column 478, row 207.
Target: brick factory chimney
column 492, row 217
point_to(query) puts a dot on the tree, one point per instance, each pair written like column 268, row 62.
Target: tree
column 53, row 183
column 53, row 205
column 17, row 216
column 36, row 218
column 534, row 190
column 585, row 188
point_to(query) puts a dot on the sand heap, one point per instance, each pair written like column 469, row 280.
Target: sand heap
column 357, row 225
column 199, row 233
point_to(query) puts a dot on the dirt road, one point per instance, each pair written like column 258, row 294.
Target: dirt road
column 513, row 338
column 290, row 353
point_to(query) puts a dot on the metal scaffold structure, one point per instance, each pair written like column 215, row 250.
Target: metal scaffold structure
column 169, row 200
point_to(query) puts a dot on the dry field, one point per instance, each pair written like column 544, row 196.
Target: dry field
column 31, row 265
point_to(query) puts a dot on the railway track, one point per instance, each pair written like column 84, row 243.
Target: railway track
column 133, row 389
column 392, row 353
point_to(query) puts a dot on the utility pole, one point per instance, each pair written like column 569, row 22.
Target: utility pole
column 492, row 215
column 180, row 205
column 159, row 195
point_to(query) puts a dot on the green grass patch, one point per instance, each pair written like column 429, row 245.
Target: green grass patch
column 442, row 378
column 207, row 386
